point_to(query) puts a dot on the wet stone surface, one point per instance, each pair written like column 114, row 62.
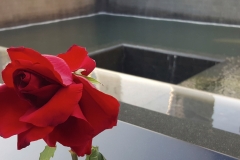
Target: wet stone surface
column 221, row 79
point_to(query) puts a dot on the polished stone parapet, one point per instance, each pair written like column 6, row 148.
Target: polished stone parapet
column 123, row 142
column 4, row 59
column 197, row 133
column 201, row 118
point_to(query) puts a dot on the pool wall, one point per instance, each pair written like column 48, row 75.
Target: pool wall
column 21, row 12
column 220, row 11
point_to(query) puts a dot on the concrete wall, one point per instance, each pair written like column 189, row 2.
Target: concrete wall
column 224, row 11
column 17, row 12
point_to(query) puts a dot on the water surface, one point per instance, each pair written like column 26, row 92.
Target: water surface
column 106, row 30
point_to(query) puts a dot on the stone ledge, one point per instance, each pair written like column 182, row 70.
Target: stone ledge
column 3, row 59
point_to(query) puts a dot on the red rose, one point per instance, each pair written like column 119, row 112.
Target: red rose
column 42, row 99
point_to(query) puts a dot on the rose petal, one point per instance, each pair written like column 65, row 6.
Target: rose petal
column 61, row 67
column 11, row 109
column 41, row 96
column 89, row 65
column 56, row 110
column 36, row 89
column 76, row 58
column 73, row 132
column 32, row 134
column 83, row 149
column 32, row 60
column 27, row 54
column 7, row 73
column 101, row 110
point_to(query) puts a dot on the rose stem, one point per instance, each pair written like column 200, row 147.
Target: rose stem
column 74, row 155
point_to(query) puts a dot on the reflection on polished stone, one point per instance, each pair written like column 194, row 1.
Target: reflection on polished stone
column 133, row 90
column 197, row 107
column 194, row 132
column 198, row 117
column 171, row 99
column 123, row 142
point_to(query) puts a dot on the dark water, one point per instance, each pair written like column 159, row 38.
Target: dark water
column 151, row 64
column 104, row 30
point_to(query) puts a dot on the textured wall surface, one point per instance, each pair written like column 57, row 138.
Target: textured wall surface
column 204, row 10
column 19, row 12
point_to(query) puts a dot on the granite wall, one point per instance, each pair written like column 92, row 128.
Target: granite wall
column 202, row 10
column 19, row 12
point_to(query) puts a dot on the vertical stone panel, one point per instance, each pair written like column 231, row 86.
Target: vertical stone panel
column 204, row 10
column 19, row 12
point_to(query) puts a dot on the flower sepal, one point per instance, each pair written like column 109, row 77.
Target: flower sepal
column 90, row 79
column 47, row 153
column 95, row 154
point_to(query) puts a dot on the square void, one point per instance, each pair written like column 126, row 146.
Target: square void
column 151, row 63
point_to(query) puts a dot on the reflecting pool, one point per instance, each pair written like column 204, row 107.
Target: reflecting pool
column 102, row 31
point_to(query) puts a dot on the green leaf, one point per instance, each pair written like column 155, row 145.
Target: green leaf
column 92, row 80
column 95, row 155
column 47, row 153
